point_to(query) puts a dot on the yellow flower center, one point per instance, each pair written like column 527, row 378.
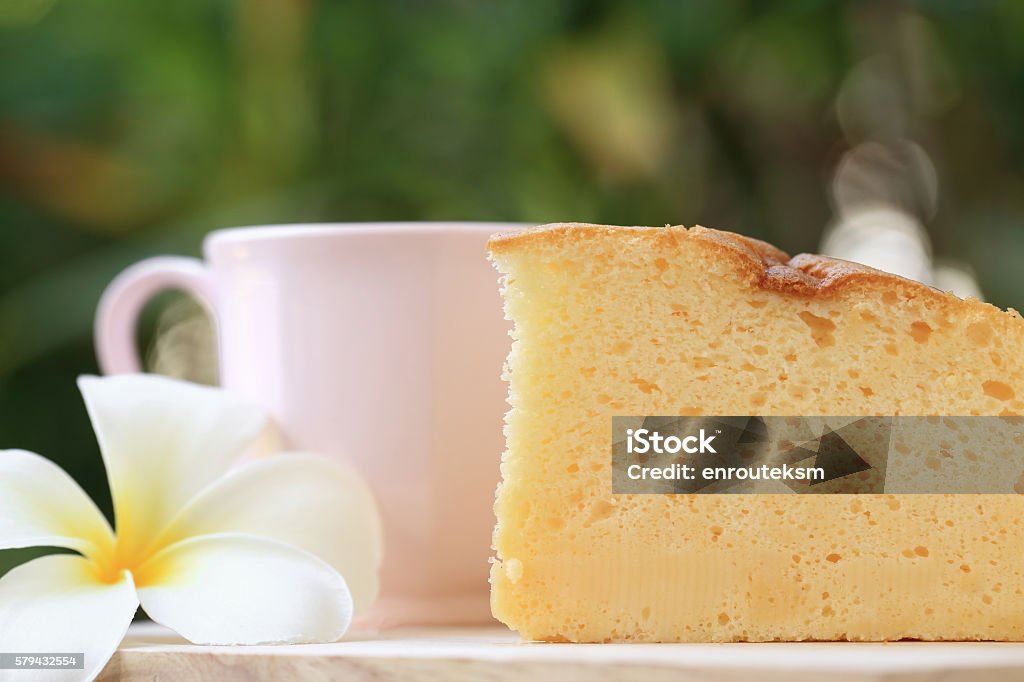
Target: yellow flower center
column 111, row 564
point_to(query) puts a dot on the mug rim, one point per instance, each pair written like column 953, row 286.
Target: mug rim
column 277, row 231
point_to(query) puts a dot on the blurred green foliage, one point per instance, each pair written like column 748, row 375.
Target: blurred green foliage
column 131, row 128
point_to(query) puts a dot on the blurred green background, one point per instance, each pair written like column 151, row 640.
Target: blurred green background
column 129, row 129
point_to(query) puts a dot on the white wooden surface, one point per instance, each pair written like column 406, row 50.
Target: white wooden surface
column 493, row 653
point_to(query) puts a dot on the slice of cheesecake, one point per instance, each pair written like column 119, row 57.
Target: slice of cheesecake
column 670, row 321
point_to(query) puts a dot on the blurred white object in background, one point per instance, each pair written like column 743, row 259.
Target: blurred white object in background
column 879, row 190
column 884, row 238
column 885, row 190
column 956, row 278
column 897, row 172
column 882, row 193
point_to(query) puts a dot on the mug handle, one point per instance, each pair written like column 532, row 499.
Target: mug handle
column 123, row 299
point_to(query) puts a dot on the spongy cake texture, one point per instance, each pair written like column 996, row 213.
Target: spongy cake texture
column 669, row 321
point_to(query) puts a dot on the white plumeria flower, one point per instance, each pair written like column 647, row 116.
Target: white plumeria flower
column 279, row 550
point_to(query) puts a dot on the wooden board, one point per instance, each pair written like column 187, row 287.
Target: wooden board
column 495, row 654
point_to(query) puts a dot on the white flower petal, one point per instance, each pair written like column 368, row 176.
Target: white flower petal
column 241, row 589
column 308, row 501
column 162, row 441
column 41, row 506
column 55, row 604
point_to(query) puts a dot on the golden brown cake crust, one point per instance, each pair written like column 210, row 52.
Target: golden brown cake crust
column 767, row 266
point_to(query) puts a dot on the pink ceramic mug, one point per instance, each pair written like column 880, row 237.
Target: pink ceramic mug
column 378, row 343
